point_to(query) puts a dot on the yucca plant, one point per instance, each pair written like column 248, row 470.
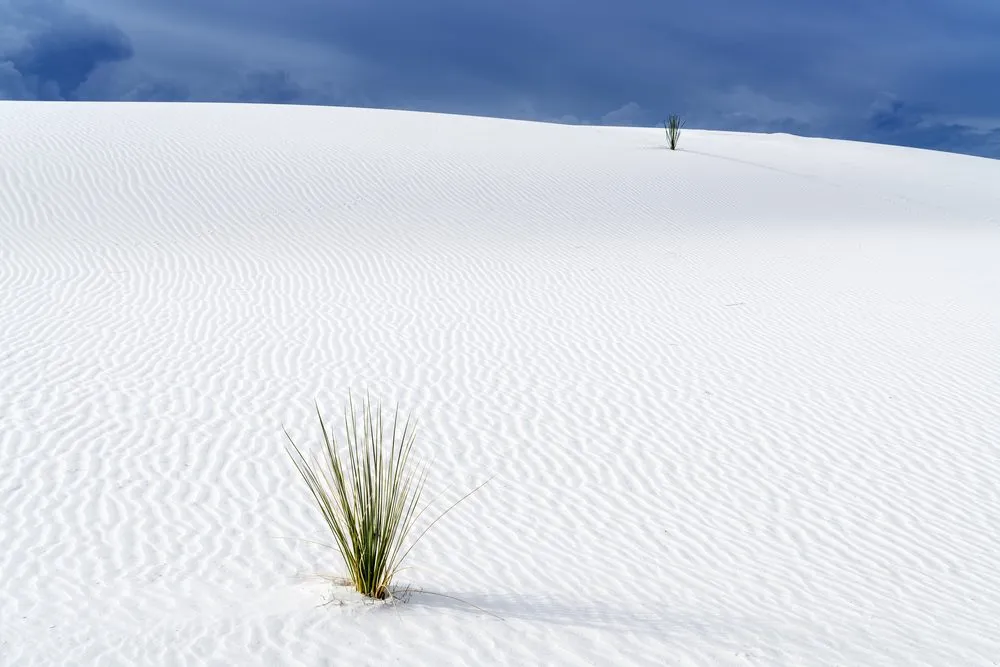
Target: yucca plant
column 369, row 498
column 673, row 125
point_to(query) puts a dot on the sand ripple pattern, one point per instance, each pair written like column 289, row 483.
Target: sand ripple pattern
column 742, row 401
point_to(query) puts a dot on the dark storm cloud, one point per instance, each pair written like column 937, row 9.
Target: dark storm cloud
column 47, row 50
column 271, row 87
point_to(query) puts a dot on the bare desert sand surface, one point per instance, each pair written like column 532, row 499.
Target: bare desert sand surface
column 740, row 402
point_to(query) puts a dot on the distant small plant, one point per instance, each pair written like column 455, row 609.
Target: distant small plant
column 673, row 125
column 368, row 501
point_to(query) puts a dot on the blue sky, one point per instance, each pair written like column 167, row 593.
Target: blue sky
column 922, row 73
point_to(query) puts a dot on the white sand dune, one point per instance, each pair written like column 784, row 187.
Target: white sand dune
column 742, row 401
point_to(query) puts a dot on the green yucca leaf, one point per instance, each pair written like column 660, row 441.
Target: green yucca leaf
column 673, row 126
column 369, row 499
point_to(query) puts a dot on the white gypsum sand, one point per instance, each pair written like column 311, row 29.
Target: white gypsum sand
column 741, row 399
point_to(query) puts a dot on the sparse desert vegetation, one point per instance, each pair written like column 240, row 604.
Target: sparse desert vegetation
column 673, row 125
column 368, row 490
